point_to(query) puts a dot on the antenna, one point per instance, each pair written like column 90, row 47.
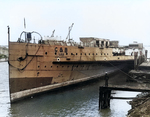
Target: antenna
column 24, row 24
column 68, row 36
column 24, row 30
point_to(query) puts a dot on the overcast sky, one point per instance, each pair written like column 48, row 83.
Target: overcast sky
column 122, row 20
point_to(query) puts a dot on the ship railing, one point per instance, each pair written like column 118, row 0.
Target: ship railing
column 34, row 41
column 63, row 43
column 82, row 44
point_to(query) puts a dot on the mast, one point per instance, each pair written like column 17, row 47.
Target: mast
column 25, row 30
column 8, row 59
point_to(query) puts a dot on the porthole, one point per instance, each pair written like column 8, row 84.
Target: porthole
column 46, row 53
column 93, row 53
column 38, row 66
column 81, row 54
column 45, row 66
column 85, row 53
column 76, row 53
column 58, row 59
column 89, row 53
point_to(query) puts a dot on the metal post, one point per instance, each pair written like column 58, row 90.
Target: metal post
column 8, row 34
column 106, row 80
column 146, row 55
column 8, row 60
column 135, row 60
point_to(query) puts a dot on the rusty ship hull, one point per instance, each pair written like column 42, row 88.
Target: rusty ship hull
column 50, row 63
column 36, row 68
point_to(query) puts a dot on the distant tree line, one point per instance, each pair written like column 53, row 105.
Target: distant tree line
column 3, row 56
column 3, row 52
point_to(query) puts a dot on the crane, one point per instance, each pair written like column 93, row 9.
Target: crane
column 68, row 36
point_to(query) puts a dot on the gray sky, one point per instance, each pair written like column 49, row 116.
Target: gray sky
column 123, row 20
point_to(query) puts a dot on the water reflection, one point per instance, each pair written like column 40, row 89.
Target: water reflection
column 4, row 90
column 82, row 101
column 74, row 101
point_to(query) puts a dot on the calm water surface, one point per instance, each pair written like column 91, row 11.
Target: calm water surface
column 72, row 102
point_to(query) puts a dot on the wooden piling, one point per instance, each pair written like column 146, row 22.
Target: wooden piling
column 104, row 98
column 105, row 95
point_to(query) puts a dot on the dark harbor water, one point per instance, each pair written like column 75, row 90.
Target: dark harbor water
column 74, row 101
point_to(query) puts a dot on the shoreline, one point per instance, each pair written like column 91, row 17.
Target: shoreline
column 140, row 106
column 3, row 60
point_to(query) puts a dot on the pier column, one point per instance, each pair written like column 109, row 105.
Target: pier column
column 106, row 79
column 104, row 98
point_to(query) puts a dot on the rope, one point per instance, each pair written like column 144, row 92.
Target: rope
column 31, row 59
column 27, row 63
column 124, row 73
